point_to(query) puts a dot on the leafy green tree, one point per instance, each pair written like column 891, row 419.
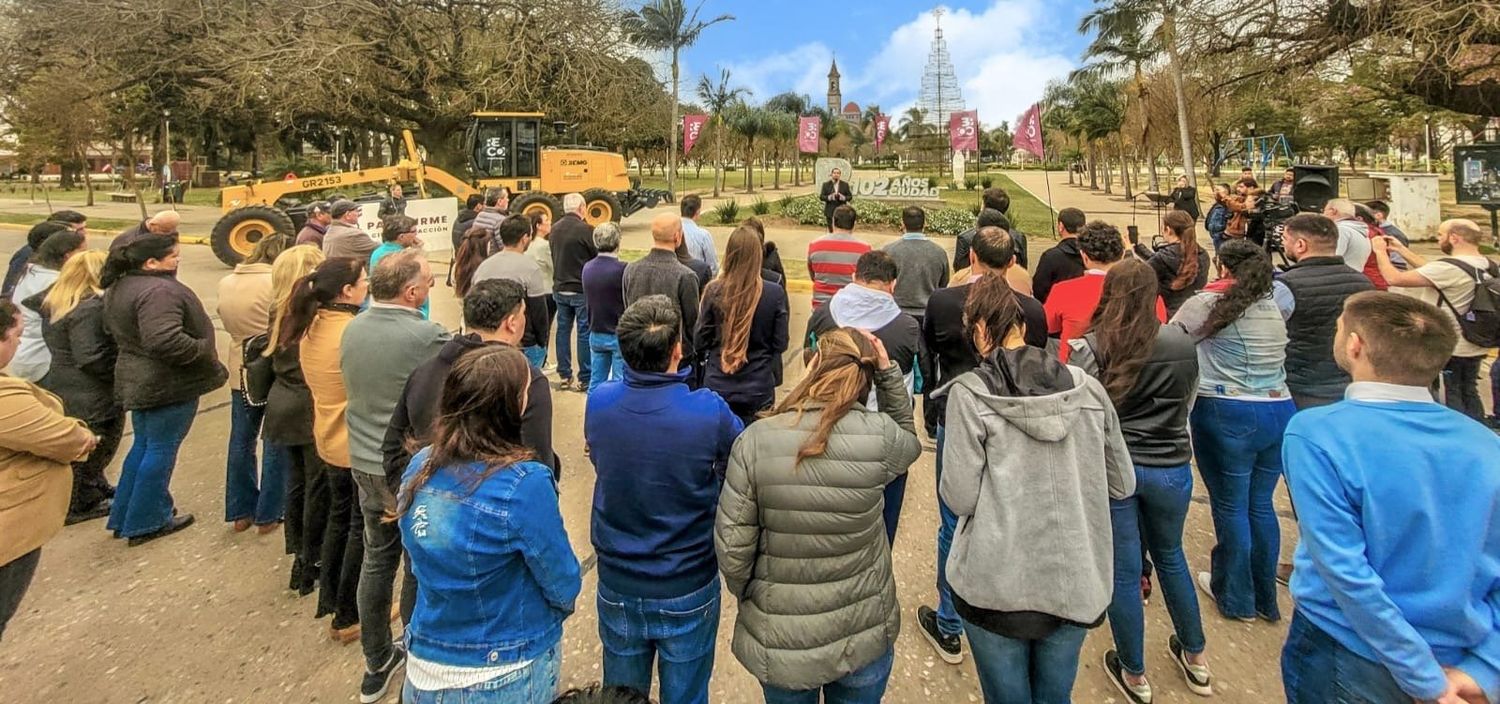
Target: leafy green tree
column 718, row 97
column 667, row 25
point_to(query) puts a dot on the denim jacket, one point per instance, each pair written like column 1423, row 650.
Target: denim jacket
column 1247, row 359
column 496, row 574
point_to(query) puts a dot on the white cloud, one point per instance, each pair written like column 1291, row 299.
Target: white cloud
column 803, row 69
column 1003, row 55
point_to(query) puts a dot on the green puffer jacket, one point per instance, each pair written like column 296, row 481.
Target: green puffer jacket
column 804, row 548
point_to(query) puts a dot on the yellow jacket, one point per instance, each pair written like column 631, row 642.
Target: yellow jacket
column 37, row 445
column 319, row 354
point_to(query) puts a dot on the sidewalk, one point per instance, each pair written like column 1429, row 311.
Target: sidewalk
column 1112, row 208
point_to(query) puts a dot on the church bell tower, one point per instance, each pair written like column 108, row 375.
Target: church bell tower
column 835, row 96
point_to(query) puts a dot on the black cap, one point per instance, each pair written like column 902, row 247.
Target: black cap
column 317, row 206
column 340, row 208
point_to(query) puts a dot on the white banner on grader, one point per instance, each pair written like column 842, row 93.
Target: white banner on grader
column 434, row 217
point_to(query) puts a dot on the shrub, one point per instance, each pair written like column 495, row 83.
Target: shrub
column 728, row 212
column 949, row 221
column 953, row 185
column 970, row 183
column 760, row 207
column 986, row 182
column 932, row 182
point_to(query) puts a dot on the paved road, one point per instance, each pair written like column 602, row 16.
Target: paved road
column 205, row 616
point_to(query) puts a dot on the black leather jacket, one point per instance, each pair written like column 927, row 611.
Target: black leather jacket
column 1153, row 416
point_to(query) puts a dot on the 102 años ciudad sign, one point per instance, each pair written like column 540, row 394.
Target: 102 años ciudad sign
column 884, row 186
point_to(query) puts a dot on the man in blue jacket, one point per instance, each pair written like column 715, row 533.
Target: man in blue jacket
column 1397, row 579
column 659, row 451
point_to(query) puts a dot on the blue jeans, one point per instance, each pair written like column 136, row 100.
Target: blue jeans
column 947, row 617
column 536, row 683
column 536, row 355
column 676, row 635
column 1013, row 671
column 1238, row 444
column 143, row 502
column 244, row 497
column 572, row 313
column 895, row 495
column 1316, row 669
column 605, row 360
column 863, row 686
column 1156, row 512
column 1217, row 238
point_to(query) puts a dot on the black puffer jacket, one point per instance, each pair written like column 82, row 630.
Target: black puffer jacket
column 83, row 360
column 1153, row 417
column 166, row 340
column 1167, row 262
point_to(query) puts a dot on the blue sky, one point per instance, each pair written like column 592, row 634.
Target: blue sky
column 1004, row 51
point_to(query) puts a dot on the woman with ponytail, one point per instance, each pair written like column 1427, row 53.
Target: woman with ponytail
column 1032, row 456
column 167, row 360
column 742, row 329
column 289, row 424
column 1181, row 265
column 1237, row 422
column 1150, row 372
column 819, row 612
column 321, row 306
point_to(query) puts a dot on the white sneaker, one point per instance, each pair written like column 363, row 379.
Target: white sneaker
column 1205, row 582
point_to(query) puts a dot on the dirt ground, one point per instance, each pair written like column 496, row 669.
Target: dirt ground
column 205, row 616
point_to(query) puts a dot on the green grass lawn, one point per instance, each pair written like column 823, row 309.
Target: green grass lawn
column 97, row 224
column 1027, row 213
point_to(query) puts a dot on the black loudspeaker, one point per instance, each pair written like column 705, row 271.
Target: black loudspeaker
column 1313, row 186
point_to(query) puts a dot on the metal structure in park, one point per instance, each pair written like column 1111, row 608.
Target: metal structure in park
column 940, row 96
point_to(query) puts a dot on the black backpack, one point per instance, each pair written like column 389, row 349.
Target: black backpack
column 1480, row 325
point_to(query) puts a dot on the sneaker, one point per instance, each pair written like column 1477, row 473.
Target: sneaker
column 1145, row 591
column 1198, row 678
column 1204, row 582
column 565, row 385
column 376, row 685
column 1134, row 693
column 345, row 635
column 177, row 523
column 949, row 648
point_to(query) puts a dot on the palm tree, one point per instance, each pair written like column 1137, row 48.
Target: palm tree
column 666, row 25
column 796, row 105
column 913, row 123
column 781, row 129
column 1131, row 33
column 718, row 98
column 1099, row 111
column 749, row 123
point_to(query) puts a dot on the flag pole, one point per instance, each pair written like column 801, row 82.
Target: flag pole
column 1041, row 138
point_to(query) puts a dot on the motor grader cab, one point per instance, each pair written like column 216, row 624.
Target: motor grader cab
column 504, row 150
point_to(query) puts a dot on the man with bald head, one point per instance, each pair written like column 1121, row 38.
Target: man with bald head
column 162, row 223
column 1447, row 283
column 659, row 272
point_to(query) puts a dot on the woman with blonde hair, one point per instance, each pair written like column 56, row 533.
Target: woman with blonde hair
column 288, row 426
column 742, row 329
column 245, row 298
column 83, row 376
column 819, row 611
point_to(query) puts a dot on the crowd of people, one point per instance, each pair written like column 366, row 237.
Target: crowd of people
column 1068, row 403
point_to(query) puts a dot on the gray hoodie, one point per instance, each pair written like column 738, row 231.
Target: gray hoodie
column 867, row 309
column 1030, row 478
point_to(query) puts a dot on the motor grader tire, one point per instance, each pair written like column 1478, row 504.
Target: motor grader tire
column 236, row 234
column 601, row 206
column 536, row 201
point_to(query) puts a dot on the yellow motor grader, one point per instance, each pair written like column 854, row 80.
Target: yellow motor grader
column 505, row 150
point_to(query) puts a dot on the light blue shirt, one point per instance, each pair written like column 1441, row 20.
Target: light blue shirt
column 700, row 244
